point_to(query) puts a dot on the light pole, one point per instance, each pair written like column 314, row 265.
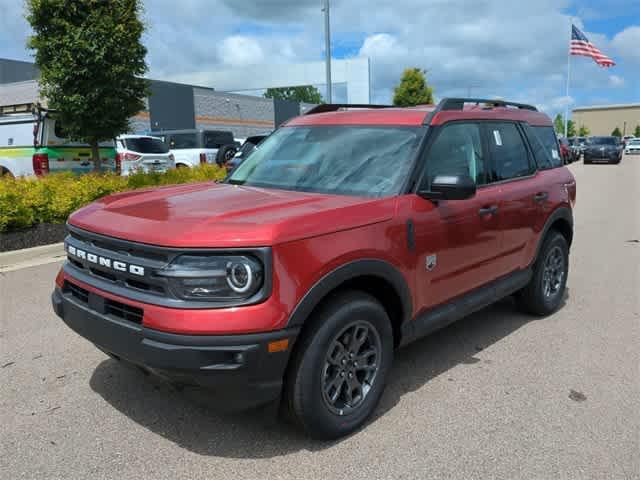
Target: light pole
column 327, row 40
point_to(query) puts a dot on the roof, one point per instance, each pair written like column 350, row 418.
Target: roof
column 418, row 116
column 608, row 107
column 125, row 136
column 19, row 93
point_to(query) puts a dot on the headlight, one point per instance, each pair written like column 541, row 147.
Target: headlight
column 215, row 277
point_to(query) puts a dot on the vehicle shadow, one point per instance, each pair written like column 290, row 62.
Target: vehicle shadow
column 191, row 424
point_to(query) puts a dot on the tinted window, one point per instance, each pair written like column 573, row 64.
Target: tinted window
column 58, row 130
column 146, row 145
column 549, row 157
column 347, row 160
column 217, row 139
column 456, row 151
column 508, row 151
column 602, row 141
column 183, row 140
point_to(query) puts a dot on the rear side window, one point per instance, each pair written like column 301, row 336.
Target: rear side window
column 183, row 140
column 217, row 139
column 146, row 145
column 550, row 156
column 508, row 152
column 456, row 151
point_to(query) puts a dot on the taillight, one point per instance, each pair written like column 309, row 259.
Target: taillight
column 203, row 158
column 131, row 157
column 40, row 163
column 119, row 163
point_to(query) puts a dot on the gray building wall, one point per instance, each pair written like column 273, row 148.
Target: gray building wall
column 17, row 71
column 241, row 114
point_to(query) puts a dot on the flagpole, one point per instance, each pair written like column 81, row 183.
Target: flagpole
column 566, row 108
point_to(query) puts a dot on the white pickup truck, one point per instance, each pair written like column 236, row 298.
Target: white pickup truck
column 197, row 146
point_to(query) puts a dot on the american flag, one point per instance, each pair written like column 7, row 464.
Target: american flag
column 580, row 45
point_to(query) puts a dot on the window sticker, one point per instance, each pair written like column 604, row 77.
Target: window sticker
column 497, row 137
column 554, row 154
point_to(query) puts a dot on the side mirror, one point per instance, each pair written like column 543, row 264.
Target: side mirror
column 450, row 187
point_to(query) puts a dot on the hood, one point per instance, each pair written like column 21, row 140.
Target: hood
column 221, row 215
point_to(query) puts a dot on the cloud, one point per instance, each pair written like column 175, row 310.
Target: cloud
column 615, row 81
column 237, row 51
column 627, row 44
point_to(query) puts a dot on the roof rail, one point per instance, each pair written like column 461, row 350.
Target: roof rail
column 458, row 104
column 334, row 107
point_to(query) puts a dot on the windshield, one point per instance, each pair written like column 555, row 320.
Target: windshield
column 602, row 141
column 634, row 141
column 347, row 160
column 146, row 145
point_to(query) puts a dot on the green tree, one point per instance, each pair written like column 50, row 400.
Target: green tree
column 91, row 60
column 412, row 89
column 583, row 131
column 616, row 132
column 558, row 124
column 636, row 132
column 304, row 93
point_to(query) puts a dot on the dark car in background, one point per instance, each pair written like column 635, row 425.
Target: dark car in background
column 249, row 145
column 603, row 150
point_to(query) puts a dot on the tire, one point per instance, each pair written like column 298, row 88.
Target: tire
column 225, row 153
column 181, row 165
column 540, row 297
column 321, row 362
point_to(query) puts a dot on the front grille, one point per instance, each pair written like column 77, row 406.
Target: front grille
column 124, row 311
column 146, row 256
column 103, row 305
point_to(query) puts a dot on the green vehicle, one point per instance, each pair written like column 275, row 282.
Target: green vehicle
column 32, row 142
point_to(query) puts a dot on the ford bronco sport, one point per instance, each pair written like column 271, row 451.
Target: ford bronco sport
column 350, row 232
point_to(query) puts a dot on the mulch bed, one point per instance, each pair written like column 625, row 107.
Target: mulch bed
column 40, row 234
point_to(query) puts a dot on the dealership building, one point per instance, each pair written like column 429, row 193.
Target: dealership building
column 603, row 119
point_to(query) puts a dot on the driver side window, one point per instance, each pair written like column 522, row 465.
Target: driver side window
column 456, row 151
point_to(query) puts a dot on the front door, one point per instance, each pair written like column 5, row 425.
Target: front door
column 456, row 241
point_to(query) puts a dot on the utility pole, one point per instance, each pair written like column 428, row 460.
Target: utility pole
column 327, row 40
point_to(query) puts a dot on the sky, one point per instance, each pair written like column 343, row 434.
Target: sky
column 512, row 49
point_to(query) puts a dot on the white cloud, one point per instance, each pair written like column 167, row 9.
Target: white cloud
column 627, row 44
column 615, row 81
column 238, row 51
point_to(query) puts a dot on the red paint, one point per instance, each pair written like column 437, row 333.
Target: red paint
column 313, row 234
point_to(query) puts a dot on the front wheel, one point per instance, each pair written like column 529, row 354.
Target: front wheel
column 545, row 291
column 340, row 367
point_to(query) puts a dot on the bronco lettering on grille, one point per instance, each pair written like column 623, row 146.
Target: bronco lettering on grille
column 105, row 262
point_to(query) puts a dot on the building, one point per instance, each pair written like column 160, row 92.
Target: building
column 603, row 119
column 171, row 105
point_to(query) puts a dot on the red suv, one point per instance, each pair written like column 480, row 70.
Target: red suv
column 350, row 231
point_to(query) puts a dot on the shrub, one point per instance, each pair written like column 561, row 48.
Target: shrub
column 51, row 199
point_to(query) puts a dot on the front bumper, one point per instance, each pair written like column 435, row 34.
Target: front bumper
column 239, row 369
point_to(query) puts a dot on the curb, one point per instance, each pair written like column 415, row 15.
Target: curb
column 31, row 257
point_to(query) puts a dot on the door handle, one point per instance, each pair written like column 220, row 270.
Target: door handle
column 490, row 210
column 540, row 196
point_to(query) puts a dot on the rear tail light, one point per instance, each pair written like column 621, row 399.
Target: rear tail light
column 131, row 157
column 118, row 163
column 203, row 158
column 40, row 163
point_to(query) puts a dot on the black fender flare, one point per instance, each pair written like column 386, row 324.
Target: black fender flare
column 561, row 213
column 357, row 268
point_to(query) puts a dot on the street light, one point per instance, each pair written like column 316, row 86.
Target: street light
column 327, row 40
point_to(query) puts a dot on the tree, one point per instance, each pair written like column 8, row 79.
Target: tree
column 616, row 132
column 558, row 124
column 636, row 132
column 412, row 89
column 304, row 94
column 584, row 131
column 91, row 61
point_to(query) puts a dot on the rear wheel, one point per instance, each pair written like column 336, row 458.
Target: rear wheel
column 225, row 154
column 545, row 291
column 340, row 367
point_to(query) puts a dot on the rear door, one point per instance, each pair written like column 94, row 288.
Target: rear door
column 185, row 148
column 154, row 154
column 521, row 192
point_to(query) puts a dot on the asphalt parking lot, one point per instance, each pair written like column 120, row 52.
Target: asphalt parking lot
column 497, row 395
